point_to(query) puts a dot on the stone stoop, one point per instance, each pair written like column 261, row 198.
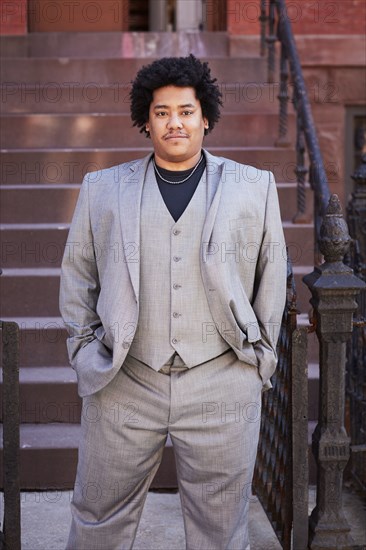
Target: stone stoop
column 65, row 111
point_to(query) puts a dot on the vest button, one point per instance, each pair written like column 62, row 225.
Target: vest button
column 174, row 341
column 175, row 314
column 176, row 286
column 176, row 232
column 176, row 258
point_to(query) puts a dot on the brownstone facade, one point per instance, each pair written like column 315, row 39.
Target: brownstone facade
column 315, row 17
column 330, row 38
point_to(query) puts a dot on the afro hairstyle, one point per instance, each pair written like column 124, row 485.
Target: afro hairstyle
column 175, row 71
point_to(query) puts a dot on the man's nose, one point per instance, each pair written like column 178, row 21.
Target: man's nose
column 175, row 122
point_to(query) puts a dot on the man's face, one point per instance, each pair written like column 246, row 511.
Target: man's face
column 176, row 127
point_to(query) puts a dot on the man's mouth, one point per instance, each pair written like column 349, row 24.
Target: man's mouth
column 175, row 136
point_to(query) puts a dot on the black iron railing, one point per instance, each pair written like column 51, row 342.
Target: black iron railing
column 281, row 472
column 274, row 18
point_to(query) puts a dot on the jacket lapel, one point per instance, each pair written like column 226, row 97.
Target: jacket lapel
column 214, row 167
column 131, row 186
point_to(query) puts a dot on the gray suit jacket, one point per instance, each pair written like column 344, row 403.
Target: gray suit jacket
column 243, row 266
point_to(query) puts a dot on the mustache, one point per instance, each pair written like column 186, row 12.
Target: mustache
column 175, row 134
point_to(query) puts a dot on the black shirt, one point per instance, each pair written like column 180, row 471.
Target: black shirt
column 177, row 197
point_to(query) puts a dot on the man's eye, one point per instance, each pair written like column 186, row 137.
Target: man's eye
column 187, row 113
column 161, row 113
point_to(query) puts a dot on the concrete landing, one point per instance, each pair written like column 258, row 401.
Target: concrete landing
column 46, row 520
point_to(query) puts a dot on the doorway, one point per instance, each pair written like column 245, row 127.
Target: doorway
column 187, row 15
column 126, row 15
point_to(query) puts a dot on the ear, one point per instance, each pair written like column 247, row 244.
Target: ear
column 206, row 124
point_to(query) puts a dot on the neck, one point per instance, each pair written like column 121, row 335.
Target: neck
column 176, row 165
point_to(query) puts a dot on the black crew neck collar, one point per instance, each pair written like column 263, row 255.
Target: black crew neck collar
column 181, row 173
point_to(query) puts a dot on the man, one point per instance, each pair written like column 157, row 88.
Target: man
column 173, row 287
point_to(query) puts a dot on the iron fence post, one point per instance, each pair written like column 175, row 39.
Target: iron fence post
column 334, row 288
column 11, row 481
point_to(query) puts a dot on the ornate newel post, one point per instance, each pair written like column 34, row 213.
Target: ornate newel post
column 334, row 289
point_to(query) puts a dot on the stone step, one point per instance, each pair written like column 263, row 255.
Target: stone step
column 116, row 130
column 118, row 71
column 48, row 458
column 30, row 292
column 287, row 194
column 47, row 394
column 32, row 245
column 55, row 203
column 313, row 344
column 42, row 245
column 27, row 204
column 251, row 96
column 58, row 166
column 42, row 341
column 118, row 44
column 302, row 291
column 34, row 292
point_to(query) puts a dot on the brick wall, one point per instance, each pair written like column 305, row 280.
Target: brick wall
column 13, row 16
column 324, row 17
column 320, row 17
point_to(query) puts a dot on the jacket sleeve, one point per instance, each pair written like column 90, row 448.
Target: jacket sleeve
column 270, row 284
column 79, row 291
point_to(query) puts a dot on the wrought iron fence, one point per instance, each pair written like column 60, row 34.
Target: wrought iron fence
column 278, row 468
column 356, row 356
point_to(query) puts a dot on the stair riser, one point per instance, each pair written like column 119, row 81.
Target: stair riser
column 45, row 247
column 114, row 72
column 30, row 205
column 303, row 294
column 51, row 469
column 32, row 247
column 29, row 296
column 55, row 205
column 46, row 403
column 313, row 346
column 60, row 166
column 111, row 44
column 42, row 344
column 51, row 402
column 55, row 469
column 44, row 131
column 16, row 98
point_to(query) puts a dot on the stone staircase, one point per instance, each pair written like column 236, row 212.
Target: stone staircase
column 65, row 111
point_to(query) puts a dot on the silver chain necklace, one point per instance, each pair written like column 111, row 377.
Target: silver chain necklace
column 177, row 182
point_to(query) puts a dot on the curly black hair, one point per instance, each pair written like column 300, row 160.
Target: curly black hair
column 175, row 71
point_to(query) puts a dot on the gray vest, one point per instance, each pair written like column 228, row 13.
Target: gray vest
column 174, row 314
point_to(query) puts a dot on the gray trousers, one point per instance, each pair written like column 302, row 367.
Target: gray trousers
column 212, row 413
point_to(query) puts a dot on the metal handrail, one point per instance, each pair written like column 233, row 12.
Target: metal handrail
column 307, row 140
